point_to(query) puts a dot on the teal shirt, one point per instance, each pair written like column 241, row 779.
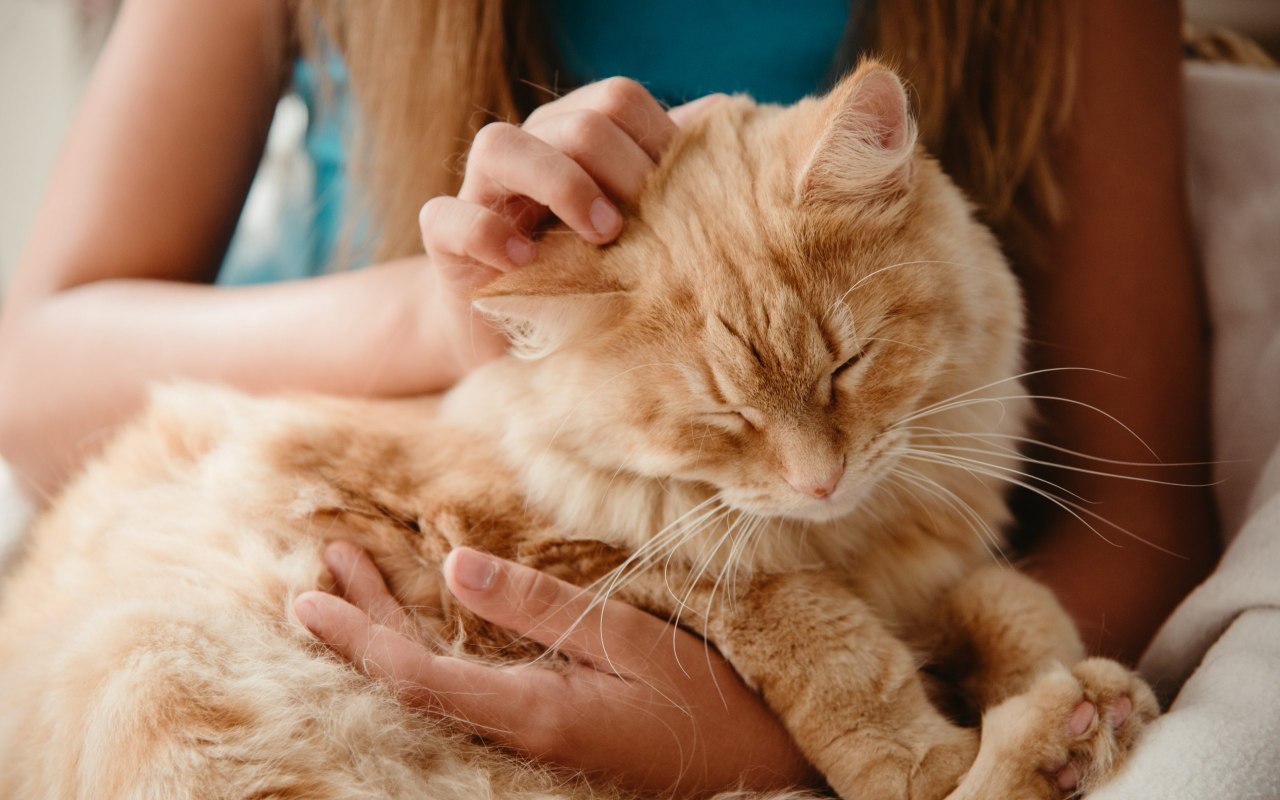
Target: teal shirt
column 775, row 51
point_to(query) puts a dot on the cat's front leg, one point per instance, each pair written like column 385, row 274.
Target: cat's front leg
column 1070, row 732
column 848, row 691
column 998, row 630
column 1053, row 723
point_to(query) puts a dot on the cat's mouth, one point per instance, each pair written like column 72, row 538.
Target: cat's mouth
column 863, row 470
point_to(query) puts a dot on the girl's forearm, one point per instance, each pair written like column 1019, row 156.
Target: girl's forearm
column 1118, row 589
column 75, row 364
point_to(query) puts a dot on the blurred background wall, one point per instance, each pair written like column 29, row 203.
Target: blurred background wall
column 41, row 76
column 47, row 48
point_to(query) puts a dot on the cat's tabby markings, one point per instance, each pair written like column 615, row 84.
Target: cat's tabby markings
column 778, row 403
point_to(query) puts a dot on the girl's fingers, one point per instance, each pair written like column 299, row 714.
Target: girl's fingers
column 506, row 160
column 605, row 151
column 612, row 637
column 628, row 104
column 683, row 115
column 500, row 704
column 359, row 582
column 455, row 231
column 602, row 139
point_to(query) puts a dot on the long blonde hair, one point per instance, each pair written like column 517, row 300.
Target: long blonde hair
column 993, row 81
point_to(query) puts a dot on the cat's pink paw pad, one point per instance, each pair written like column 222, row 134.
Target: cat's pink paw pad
column 1103, row 725
column 1068, row 777
column 1081, row 719
column 1080, row 722
column 1120, row 711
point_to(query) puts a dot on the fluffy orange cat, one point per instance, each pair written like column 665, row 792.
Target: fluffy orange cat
column 781, row 402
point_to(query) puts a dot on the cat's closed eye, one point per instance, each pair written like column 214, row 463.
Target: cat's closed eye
column 738, row 419
column 842, row 369
column 848, row 364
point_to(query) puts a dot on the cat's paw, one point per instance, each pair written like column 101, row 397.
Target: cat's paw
column 1103, row 727
column 1069, row 732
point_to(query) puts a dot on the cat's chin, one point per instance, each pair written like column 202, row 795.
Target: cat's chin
column 830, row 509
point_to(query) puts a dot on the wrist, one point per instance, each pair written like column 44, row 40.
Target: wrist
column 463, row 339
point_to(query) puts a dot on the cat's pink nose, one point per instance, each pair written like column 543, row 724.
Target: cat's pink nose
column 817, row 486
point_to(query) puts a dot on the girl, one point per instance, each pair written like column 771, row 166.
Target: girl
column 1061, row 120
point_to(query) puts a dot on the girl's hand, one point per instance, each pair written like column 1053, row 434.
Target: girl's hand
column 644, row 702
column 576, row 158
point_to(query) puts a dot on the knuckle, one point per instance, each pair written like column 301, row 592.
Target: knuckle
column 534, row 593
column 587, row 132
column 572, row 194
column 631, row 627
column 546, row 733
column 488, row 140
column 429, row 214
column 619, row 93
column 569, row 186
column 480, row 231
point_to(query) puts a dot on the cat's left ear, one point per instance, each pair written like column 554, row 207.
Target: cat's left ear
column 541, row 309
column 866, row 142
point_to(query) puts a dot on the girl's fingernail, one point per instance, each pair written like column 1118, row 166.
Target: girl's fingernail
column 519, row 251
column 473, row 570
column 604, row 217
column 308, row 612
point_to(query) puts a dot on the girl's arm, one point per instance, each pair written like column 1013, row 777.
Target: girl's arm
column 74, row 363
column 138, row 213
column 1124, row 295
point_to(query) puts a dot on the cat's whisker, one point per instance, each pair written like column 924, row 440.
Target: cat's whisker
column 640, row 559
column 925, row 449
column 731, row 568
column 693, row 578
column 937, row 262
column 923, row 432
column 1056, row 465
column 690, row 577
column 667, row 546
column 1041, row 397
column 648, row 552
column 703, row 563
column 745, row 521
column 990, row 540
column 736, row 554
column 554, row 94
column 900, row 342
column 1010, row 379
column 1066, row 505
column 1049, row 446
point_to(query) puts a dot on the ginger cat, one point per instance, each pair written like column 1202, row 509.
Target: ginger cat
column 781, row 402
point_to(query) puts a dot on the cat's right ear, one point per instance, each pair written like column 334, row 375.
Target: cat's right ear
column 540, row 317
column 866, row 141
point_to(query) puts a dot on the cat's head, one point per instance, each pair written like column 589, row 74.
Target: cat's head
column 791, row 285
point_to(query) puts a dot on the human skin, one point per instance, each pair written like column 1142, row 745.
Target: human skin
column 108, row 296
column 646, row 703
column 1123, row 294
